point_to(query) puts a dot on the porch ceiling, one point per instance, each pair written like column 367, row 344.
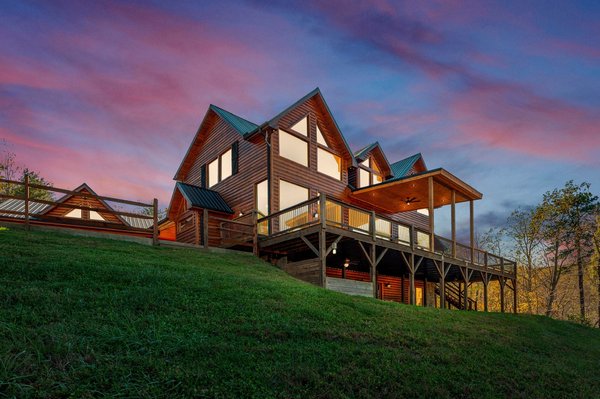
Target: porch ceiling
column 412, row 192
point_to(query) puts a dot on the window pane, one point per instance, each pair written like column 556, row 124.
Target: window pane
column 366, row 163
column 301, row 127
column 329, row 164
column 364, row 178
column 377, row 179
column 293, row 148
column 289, row 195
column 226, row 165
column 213, row 172
column 320, row 138
column 75, row 213
column 95, row 216
column 262, row 197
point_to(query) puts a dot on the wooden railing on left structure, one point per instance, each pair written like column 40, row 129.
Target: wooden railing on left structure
column 25, row 214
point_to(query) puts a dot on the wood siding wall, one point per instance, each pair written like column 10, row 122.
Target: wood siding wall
column 316, row 182
column 237, row 190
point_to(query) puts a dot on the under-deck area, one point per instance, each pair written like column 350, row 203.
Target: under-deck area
column 361, row 253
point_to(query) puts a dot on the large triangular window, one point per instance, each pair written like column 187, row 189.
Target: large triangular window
column 301, row 126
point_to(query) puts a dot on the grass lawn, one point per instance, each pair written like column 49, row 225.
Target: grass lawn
column 83, row 317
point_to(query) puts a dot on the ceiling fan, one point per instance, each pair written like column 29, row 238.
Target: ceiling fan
column 410, row 200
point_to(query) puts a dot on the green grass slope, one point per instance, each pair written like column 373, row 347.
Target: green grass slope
column 83, row 317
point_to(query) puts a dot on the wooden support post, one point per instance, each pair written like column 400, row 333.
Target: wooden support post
column 323, row 256
column 502, row 283
column 466, row 295
column 431, row 216
column 323, row 210
column 443, row 286
column 411, row 231
column 485, row 292
column 205, row 227
column 155, row 222
column 459, row 294
column 373, row 255
column 411, row 278
column 472, row 230
column 372, row 226
column 425, row 292
column 27, row 201
column 453, row 219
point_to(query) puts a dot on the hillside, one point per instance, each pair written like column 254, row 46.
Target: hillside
column 87, row 317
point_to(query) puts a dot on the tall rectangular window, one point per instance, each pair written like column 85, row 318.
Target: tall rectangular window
column 226, row 165
column 220, row 169
column 364, row 178
column 213, row 172
column 293, row 148
column 262, row 197
column 329, row 164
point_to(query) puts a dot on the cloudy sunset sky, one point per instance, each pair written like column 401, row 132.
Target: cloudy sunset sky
column 505, row 95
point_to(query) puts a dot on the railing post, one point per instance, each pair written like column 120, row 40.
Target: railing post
column 372, row 227
column 155, row 219
column 255, row 232
column 205, row 227
column 27, row 201
column 472, row 230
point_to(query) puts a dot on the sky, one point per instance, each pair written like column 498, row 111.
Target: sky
column 505, row 95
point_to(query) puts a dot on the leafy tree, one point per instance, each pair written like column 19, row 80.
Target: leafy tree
column 35, row 193
column 524, row 230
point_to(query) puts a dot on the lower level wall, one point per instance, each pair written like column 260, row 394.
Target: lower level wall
column 350, row 287
column 307, row 270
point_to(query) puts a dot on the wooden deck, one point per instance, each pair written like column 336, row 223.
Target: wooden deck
column 300, row 233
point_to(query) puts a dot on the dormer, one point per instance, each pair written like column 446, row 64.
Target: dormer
column 372, row 166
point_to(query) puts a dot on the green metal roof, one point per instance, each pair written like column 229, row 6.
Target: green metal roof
column 242, row 125
column 365, row 150
column 199, row 197
column 401, row 168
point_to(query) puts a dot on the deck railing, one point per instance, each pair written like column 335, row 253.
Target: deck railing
column 28, row 212
column 352, row 218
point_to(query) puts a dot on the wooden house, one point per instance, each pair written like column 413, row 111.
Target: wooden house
column 351, row 221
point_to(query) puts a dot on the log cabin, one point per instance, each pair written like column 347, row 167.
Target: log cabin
column 292, row 190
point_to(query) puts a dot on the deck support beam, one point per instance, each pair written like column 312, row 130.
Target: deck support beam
column 453, row 220
column 412, row 268
column 502, row 282
column 431, row 211
column 323, row 239
column 442, row 270
column 472, row 230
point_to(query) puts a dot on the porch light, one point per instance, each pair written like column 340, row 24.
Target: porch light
column 347, row 263
column 316, row 215
column 334, row 248
column 241, row 214
column 388, row 285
